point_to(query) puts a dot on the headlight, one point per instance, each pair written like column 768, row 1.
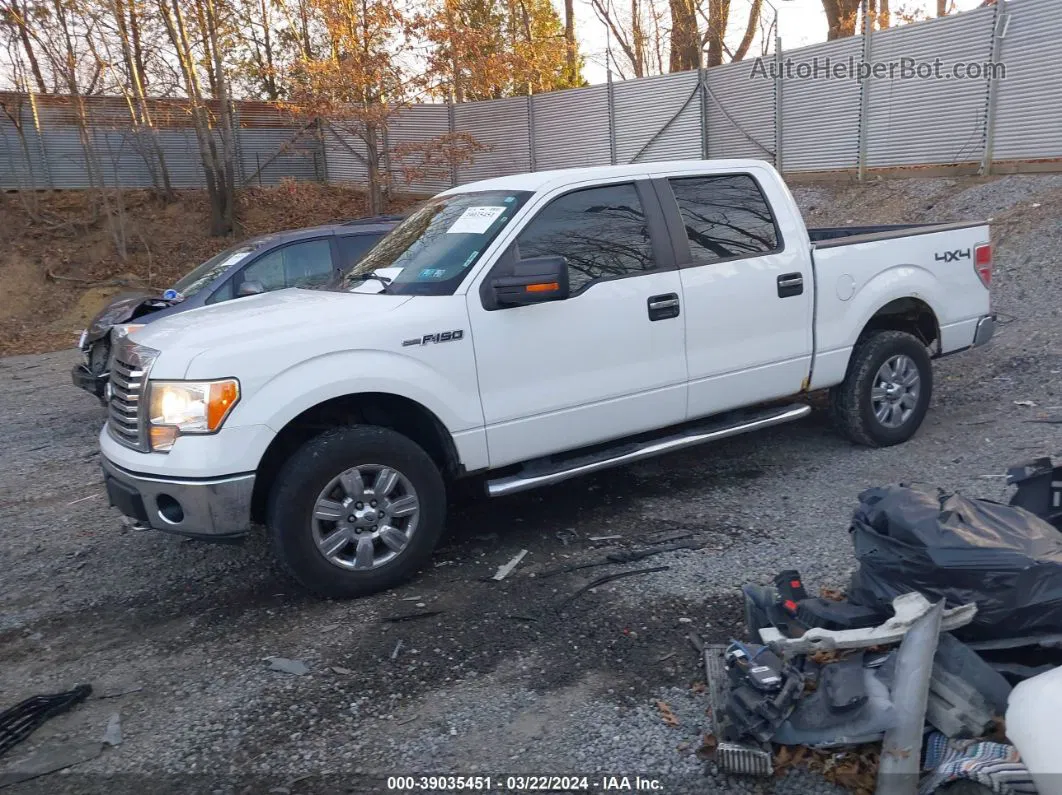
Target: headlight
column 125, row 329
column 189, row 407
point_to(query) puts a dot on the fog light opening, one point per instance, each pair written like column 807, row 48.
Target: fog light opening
column 169, row 509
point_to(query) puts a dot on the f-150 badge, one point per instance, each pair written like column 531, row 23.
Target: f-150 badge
column 442, row 336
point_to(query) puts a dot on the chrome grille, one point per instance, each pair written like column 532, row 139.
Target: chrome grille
column 125, row 407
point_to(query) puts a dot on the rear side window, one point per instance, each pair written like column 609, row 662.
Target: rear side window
column 725, row 217
column 602, row 232
column 353, row 247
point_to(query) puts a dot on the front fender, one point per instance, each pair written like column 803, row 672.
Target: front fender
column 278, row 399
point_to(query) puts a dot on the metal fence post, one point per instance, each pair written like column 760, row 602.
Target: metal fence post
column 779, row 137
column 864, row 96
column 451, row 122
column 322, row 149
column 999, row 31
column 237, row 143
column 702, row 85
column 611, row 94
column 532, row 157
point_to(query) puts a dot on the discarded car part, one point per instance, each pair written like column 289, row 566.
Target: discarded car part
column 549, row 473
column 973, row 767
column 790, row 589
column 814, row 724
column 732, row 757
column 606, row 579
column 950, row 547
column 504, row 571
column 1039, row 490
column 1052, row 641
column 1032, row 725
column 955, row 708
column 958, row 659
column 909, row 609
column 901, row 748
column 830, row 614
column 761, row 695
column 20, row 721
column 843, row 684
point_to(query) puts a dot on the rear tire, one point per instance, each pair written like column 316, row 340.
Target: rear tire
column 885, row 395
column 356, row 510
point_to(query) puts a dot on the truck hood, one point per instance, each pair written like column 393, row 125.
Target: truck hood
column 254, row 320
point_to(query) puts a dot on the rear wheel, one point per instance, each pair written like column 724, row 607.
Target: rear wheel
column 356, row 510
column 885, row 395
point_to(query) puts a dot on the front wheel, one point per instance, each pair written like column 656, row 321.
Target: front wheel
column 356, row 510
column 885, row 395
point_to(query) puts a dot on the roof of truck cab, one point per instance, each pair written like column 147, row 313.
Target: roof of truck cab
column 541, row 180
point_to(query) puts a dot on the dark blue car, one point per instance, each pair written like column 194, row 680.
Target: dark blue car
column 296, row 258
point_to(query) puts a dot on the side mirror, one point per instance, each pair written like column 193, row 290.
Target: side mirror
column 250, row 287
column 533, row 281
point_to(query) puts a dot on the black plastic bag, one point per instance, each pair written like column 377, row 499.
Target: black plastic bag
column 1002, row 557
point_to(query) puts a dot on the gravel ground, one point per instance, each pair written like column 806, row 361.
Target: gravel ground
column 505, row 678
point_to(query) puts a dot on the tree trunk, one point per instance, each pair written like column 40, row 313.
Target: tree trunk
column 942, row 8
column 884, row 15
column 718, row 16
column 841, row 17
column 270, row 82
column 637, row 40
column 228, row 131
column 27, row 44
column 685, row 39
column 571, row 57
column 750, row 30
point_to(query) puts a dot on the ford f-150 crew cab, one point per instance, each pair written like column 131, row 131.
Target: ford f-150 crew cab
column 533, row 328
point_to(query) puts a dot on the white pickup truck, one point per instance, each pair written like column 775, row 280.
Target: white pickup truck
column 533, row 328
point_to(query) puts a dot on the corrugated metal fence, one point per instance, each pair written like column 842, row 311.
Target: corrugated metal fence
column 819, row 108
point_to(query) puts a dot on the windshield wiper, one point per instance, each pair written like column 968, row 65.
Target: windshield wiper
column 361, row 277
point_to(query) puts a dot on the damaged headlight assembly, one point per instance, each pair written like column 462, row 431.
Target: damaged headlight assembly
column 188, row 408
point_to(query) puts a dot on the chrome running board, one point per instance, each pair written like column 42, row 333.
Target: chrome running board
column 547, row 473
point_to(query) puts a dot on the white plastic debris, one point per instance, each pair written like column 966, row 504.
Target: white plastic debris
column 909, row 608
column 504, row 571
column 112, row 735
column 1032, row 725
column 286, row 666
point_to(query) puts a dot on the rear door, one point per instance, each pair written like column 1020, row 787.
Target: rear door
column 747, row 288
column 606, row 362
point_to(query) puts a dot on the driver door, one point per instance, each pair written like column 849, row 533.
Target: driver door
column 606, row 362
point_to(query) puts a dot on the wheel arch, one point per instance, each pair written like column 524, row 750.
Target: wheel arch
column 401, row 414
column 910, row 314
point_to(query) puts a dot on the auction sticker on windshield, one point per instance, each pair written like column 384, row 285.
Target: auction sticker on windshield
column 475, row 220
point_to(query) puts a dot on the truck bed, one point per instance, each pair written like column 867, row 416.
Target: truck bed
column 830, row 237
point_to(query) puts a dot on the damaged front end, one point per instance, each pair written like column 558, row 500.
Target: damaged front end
column 112, row 323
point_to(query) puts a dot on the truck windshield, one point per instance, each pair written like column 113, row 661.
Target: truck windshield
column 431, row 251
column 203, row 275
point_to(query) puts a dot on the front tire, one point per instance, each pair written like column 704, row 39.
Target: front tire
column 885, row 395
column 356, row 510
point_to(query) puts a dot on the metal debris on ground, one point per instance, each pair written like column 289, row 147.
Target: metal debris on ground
column 412, row 616
column 49, row 759
column 603, row 538
column 607, row 579
column 504, row 571
column 338, row 669
column 20, row 721
column 112, row 734
column 285, row 666
column 397, row 649
column 566, row 536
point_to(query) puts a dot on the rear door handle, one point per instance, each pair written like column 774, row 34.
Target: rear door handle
column 790, row 284
column 663, row 307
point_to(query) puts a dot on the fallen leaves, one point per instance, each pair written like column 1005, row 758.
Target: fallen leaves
column 855, row 770
column 667, row 714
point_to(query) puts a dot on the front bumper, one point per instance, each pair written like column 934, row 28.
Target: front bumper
column 90, row 381
column 986, row 328
column 216, row 509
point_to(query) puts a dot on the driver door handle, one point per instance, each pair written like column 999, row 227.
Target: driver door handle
column 663, row 307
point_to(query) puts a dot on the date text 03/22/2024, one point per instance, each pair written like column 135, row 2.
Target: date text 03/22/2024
column 523, row 784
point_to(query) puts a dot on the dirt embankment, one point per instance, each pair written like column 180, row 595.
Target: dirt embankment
column 59, row 259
